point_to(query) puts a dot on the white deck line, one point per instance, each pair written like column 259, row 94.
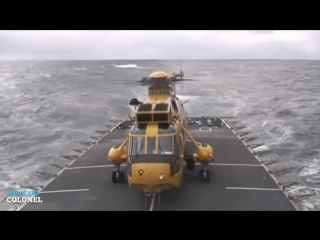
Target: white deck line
column 211, row 164
column 255, row 189
column 62, row 191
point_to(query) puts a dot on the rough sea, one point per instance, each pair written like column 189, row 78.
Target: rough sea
column 47, row 107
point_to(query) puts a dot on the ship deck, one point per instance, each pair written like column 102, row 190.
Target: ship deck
column 238, row 182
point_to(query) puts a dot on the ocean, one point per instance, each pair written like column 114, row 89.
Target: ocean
column 48, row 106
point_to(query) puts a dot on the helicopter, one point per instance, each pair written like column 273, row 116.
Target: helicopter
column 154, row 149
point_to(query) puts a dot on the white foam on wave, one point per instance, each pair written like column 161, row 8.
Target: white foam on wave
column 278, row 129
column 312, row 169
column 260, row 149
column 78, row 69
column 6, row 84
column 313, row 179
column 184, row 98
column 46, row 75
column 264, row 123
column 127, row 66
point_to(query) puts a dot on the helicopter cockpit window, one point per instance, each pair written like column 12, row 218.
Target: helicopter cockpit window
column 165, row 145
column 151, row 145
column 137, row 146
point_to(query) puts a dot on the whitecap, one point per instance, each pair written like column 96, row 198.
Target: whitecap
column 78, row 69
column 127, row 66
column 312, row 169
column 46, row 75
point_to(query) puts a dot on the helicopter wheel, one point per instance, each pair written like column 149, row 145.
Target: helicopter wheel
column 204, row 175
column 117, row 177
column 190, row 164
column 121, row 177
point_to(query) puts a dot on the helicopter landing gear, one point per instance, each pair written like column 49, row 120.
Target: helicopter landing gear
column 190, row 164
column 117, row 176
column 204, row 174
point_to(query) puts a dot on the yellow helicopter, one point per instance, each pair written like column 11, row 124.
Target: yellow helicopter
column 154, row 149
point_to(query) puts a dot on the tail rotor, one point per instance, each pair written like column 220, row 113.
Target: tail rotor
column 181, row 74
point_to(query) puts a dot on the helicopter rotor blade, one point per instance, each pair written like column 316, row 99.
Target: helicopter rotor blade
column 146, row 81
column 124, row 82
column 186, row 80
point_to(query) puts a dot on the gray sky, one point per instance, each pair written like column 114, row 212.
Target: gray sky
column 50, row 45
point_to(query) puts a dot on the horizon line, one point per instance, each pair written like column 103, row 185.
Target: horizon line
column 163, row 59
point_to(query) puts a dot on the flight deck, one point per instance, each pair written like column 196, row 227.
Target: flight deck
column 240, row 181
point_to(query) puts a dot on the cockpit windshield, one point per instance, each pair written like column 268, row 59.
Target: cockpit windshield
column 137, row 145
column 165, row 145
column 155, row 145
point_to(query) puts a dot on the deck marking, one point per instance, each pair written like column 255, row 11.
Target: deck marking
column 61, row 191
column 152, row 201
column 115, row 128
column 84, row 167
column 198, row 164
column 235, row 164
column 258, row 189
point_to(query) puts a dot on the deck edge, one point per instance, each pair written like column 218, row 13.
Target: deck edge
column 115, row 128
column 286, row 190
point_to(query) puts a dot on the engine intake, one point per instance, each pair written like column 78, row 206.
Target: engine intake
column 135, row 102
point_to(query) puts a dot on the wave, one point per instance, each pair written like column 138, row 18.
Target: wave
column 127, row 66
column 78, row 69
column 46, row 75
column 313, row 168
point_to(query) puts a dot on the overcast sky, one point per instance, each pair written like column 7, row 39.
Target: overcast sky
column 51, row 45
